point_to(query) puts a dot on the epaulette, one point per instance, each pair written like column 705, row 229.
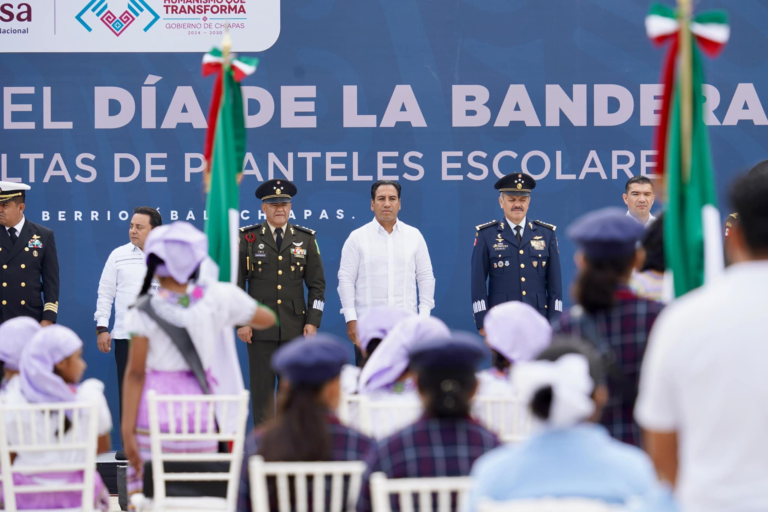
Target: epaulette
column 302, row 228
column 249, row 228
column 734, row 216
column 546, row 225
column 486, row 225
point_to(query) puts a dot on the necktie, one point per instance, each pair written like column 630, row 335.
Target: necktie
column 517, row 234
column 13, row 235
column 279, row 237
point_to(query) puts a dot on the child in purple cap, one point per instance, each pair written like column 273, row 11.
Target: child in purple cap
column 174, row 254
column 50, row 370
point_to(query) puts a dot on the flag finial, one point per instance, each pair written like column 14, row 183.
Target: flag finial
column 226, row 44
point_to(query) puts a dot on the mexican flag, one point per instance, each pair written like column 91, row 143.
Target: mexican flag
column 692, row 238
column 224, row 154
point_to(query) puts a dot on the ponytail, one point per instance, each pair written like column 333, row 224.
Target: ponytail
column 596, row 285
column 541, row 403
column 153, row 262
column 448, row 391
column 300, row 430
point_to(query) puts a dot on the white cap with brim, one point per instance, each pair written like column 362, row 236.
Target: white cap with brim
column 10, row 190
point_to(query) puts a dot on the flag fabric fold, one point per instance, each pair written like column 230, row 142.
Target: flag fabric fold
column 692, row 243
column 224, row 153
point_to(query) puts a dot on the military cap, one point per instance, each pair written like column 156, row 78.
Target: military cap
column 460, row 350
column 517, row 184
column 310, row 361
column 276, row 191
column 10, row 190
column 606, row 233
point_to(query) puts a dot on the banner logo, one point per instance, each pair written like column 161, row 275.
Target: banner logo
column 134, row 10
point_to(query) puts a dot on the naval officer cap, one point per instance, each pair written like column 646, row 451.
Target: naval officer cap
column 459, row 350
column 276, row 191
column 606, row 233
column 517, row 184
column 310, row 361
column 10, row 190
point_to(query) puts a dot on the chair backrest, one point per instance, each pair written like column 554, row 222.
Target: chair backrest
column 448, row 493
column 40, row 429
column 508, row 417
column 378, row 418
column 549, row 505
column 291, row 479
column 201, row 408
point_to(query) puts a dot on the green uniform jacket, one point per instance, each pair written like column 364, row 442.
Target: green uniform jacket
column 276, row 279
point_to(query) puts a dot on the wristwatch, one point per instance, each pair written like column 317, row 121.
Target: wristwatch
column 100, row 330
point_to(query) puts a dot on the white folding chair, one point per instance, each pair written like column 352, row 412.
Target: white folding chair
column 548, row 505
column 194, row 404
column 449, row 491
column 508, row 417
column 39, row 428
column 299, row 472
column 381, row 418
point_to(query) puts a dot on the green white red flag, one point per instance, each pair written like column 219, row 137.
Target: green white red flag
column 224, row 154
column 692, row 241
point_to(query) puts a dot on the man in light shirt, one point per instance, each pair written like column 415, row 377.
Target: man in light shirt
column 639, row 197
column 120, row 284
column 703, row 389
column 383, row 262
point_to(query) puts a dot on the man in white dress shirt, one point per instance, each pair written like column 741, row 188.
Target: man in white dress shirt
column 120, row 284
column 639, row 197
column 383, row 261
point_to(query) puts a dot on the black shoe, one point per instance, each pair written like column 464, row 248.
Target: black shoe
column 120, row 455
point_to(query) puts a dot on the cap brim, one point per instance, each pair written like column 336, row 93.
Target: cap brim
column 516, row 192
column 277, row 199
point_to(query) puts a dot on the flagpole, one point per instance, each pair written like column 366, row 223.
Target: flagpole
column 686, row 87
column 226, row 45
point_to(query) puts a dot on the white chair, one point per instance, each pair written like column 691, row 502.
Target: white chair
column 548, row 505
column 37, row 429
column 424, row 489
column 378, row 418
column 299, row 472
column 194, row 404
column 508, row 417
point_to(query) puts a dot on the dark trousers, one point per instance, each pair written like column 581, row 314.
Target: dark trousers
column 121, row 359
column 262, row 379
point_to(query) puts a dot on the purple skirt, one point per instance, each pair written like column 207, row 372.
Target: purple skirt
column 54, row 500
column 169, row 383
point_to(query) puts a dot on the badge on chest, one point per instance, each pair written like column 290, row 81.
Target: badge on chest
column 298, row 252
column 539, row 245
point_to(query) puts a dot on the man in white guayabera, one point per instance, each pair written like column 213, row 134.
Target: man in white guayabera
column 383, row 261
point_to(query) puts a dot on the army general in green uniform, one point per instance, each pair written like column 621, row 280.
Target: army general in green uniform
column 276, row 260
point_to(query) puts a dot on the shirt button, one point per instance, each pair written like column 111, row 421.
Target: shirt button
column 26, row 249
column 23, row 266
column 523, row 292
column 522, row 265
column 279, row 272
column 259, row 263
column 4, row 303
column 279, row 301
column 280, row 258
column 22, row 303
column 23, row 285
column 523, row 279
column 279, row 287
column 521, row 252
column 5, row 284
column 5, row 266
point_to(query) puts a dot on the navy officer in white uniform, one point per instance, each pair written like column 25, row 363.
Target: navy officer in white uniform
column 516, row 258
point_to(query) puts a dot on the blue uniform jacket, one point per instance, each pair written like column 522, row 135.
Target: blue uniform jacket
column 503, row 270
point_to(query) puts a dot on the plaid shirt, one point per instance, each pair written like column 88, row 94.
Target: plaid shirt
column 428, row 448
column 622, row 334
column 346, row 444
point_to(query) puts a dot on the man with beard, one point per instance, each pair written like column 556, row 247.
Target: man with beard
column 516, row 258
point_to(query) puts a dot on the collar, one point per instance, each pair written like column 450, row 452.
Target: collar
column 379, row 227
column 18, row 226
column 623, row 291
column 273, row 228
column 512, row 224
column 651, row 218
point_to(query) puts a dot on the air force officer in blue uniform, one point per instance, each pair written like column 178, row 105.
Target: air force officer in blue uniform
column 516, row 258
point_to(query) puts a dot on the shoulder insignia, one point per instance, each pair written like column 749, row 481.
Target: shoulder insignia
column 486, row 225
column 249, row 228
column 734, row 216
column 546, row 225
column 302, row 228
